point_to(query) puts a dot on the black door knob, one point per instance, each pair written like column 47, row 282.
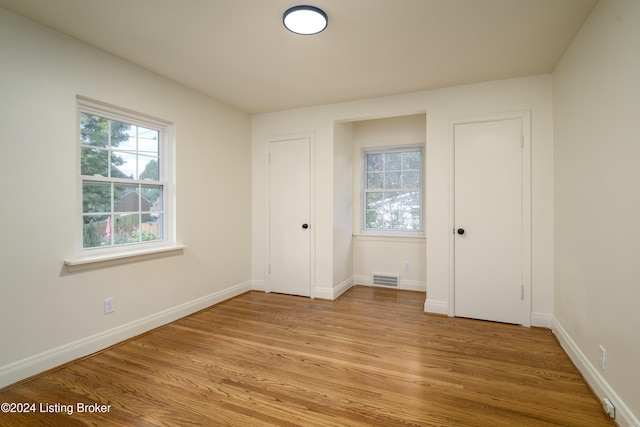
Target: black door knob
column 305, row 226
column 461, row 231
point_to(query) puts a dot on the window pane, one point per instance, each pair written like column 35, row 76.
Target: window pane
column 393, row 210
column 411, row 179
column 411, row 160
column 123, row 165
column 412, row 219
column 126, row 228
column 396, row 203
column 148, row 141
column 123, row 136
column 151, row 227
column 392, row 201
column 392, row 161
column 375, row 162
column 159, row 226
column 94, row 162
column 392, row 180
column 153, row 195
column 96, row 231
column 373, row 200
column 126, row 204
column 94, row 130
column 388, row 210
column 382, row 213
column 126, row 198
column 375, row 180
column 96, row 196
column 411, row 211
column 374, row 219
column 411, row 200
column 149, row 168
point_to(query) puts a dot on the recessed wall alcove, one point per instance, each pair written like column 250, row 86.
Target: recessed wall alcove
column 356, row 254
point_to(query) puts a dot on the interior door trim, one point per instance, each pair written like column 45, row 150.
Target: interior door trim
column 312, row 219
column 525, row 117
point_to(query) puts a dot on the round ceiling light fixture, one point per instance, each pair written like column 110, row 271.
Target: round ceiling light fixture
column 305, row 20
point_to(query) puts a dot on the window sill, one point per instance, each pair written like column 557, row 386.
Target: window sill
column 390, row 238
column 107, row 260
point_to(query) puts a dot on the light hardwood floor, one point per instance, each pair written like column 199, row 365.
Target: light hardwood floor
column 370, row 358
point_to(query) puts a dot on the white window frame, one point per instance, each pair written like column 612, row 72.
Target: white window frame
column 364, row 180
column 166, row 167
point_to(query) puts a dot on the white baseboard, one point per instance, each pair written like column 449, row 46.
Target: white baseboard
column 413, row 285
column 343, row 287
column 542, row 320
column 258, row 285
column 335, row 292
column 49, row 359
column 436, row 307
column 602, row 389
column 323, row 293
column 362, row 280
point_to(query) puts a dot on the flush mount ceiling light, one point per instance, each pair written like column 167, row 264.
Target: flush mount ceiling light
column 305, row 20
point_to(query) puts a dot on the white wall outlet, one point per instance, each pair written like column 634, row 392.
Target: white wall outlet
column 407, row 266
column 609, row 409
column 603, row 357
column 108, row 305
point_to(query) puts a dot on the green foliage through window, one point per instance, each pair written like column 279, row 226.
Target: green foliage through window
column 122, row 193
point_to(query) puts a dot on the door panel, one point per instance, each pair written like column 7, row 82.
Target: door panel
column 289, row 208
column 488, row 207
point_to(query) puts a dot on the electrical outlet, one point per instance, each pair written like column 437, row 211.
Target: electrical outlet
column 603, row 357
column 608, row 407
column 407, row 266
column 108, row 305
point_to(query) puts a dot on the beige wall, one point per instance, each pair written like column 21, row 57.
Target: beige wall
column 48, row 316
column 596, row 90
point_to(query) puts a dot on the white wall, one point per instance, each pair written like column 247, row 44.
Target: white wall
column 596, row 90
column 343, row 205
column 49, row 316
column 441, row 106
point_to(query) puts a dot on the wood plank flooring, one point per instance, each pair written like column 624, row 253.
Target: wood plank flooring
column 370, row 358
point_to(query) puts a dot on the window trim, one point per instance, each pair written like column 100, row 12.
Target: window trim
column 97, row 256
column 363, row 206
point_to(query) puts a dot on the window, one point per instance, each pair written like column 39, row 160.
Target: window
column 393, row 190
column 123, row 178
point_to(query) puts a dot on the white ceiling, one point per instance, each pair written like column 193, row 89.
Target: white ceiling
column 238, row 52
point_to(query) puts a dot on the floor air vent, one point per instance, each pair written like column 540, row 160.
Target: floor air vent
column 385, row 279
